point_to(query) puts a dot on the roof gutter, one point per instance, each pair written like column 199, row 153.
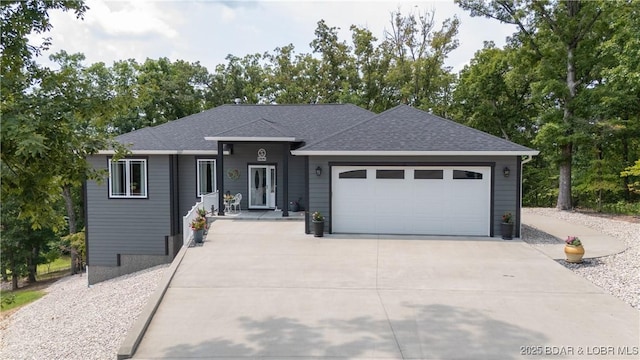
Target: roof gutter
column 522, row 162
column 529, row 158
column 164, row 152
column 250, row 138
column 529, row 153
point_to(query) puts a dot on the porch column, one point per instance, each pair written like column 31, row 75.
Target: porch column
column 220, row 178
column 285, row 177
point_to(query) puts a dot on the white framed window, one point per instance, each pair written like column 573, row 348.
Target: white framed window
column 128, row 178
column 206, row 176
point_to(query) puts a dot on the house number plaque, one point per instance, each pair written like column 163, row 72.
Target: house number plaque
column 262, row 155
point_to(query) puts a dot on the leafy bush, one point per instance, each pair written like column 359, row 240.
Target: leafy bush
column 76, row 243
column 8, row 299
column 622, row 207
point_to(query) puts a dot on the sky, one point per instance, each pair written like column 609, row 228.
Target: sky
column 207, row 31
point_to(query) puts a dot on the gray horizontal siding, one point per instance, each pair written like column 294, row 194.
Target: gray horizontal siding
column 505, row 190
column 319, row 189
column 187, row 183
column 245, row 154
column 128, row 226
column 296, row 180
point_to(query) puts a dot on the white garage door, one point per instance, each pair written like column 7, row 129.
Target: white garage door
column 411, row 200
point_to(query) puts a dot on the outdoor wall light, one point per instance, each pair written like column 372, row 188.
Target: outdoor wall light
column 506, row 171
column 318, row 171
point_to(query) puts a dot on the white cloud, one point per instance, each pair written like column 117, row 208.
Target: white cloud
column 131, row 18
column 228, row 14
column 207, row 31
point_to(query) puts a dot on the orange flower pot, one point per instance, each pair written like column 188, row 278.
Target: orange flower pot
column 574, row 253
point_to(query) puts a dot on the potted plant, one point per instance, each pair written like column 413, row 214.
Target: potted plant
column 198, row 225
column 318, row 224
column 294, row 206
column 506, row 227
column 573, row 249
column 202, row 212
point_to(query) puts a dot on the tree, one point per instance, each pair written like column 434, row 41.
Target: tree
column 418, row 51
column 633, row 172
column 52, row 119
column 18, row 20
column 12, row 242
column 337, row 73
column 241, row 79
column 26, row 148
column 372, row 63
column 616, row 98
column 125, row 102
column 20, row 244
column 493, row 95
column 562, row 35
column 168, row 91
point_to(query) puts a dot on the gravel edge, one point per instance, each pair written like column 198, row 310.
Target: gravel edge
column 619, row 274
column 74, row 321
column 93, row 321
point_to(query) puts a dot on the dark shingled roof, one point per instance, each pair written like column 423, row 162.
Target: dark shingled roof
column 323, row 127
column 258, row 128
column 305, row 122
column 404, row 128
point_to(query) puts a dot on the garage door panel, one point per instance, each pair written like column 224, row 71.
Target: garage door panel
column 354, row 224
column 415, row 200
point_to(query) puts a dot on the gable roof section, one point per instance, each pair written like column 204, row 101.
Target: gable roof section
column 257, row 130
column 187, row 135
column 404, row 130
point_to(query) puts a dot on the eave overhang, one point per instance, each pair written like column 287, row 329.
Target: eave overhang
column 411, row 153
column 164, row 152
column 250, row 139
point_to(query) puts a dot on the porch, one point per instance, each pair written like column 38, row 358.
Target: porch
column 269, row 215
column 209, row 203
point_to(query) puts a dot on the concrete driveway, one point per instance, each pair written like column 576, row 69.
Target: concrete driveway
column 265, row 290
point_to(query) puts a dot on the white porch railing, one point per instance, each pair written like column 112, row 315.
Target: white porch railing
column 187, row 233
column 210, row 200
column 206, row 201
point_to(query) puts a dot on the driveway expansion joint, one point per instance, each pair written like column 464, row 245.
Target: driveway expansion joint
column 386, row 314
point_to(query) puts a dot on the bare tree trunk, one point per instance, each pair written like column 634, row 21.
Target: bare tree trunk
column 14, row 275
column 74, row 261
column 627, row 158
column 3, row 270
column 14, row 282
column 71, row 214
column 68, row 204
column 33, row 265
column 564, row 193
column 564, row 190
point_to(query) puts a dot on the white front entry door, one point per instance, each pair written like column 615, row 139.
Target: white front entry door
column 430, row 200
column 262, row 187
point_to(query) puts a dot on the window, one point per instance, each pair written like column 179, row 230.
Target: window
column 466, row 175
column 128, row 178
column 206, row 176
column 353, row 174
column 389, row 174
column 428, row 174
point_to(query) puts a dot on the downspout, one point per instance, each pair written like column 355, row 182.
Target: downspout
column 522, row 162
column 220, row 177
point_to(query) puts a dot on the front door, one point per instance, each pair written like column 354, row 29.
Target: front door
column 262, row 186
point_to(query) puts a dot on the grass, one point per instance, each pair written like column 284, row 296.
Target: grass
column 47, row 273
column 20, row 298
column 61, row 263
